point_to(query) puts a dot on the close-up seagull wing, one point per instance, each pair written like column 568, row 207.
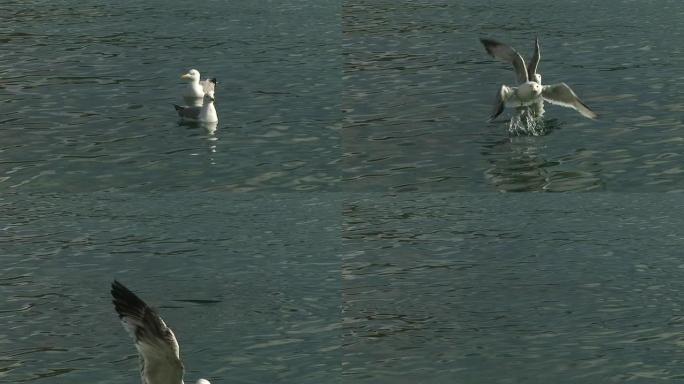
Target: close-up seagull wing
column 505, row 53
column 534, row 61
column 155, row 342
column 208, row 85
column 562, row 94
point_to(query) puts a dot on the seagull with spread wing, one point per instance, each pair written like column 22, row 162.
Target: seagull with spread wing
column 530, row 92
column 156, row 344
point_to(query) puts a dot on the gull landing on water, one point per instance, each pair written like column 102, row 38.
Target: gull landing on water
column 530, row 92
column 159, row 353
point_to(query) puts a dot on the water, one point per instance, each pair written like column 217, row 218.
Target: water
column 249, row 283
column 418, row 88
column 474, row 288
column 88, row 90
column 343, row 223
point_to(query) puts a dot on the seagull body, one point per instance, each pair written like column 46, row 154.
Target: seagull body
column 530, row 92
column 156, row 344
column 204, row 114
column 196, row 88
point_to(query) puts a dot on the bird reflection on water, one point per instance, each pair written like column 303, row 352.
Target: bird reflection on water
column 522, row 162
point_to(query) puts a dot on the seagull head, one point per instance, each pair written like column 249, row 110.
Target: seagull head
column 536, row 88
column 529, row 91
column 193, row 75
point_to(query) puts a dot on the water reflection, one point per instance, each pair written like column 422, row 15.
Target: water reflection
column 526, row 163
column 210, row 127
column 209, row 130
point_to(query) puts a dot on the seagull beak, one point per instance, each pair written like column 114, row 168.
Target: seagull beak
column 187, row 76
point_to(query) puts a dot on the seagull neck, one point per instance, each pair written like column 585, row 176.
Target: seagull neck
column 208, row 112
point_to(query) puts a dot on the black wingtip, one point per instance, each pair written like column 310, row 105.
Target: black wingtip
column 178, row 109
column 125, row 302
column 488, row 44
column 213, row 80
column 119, row 290
column 117, row 286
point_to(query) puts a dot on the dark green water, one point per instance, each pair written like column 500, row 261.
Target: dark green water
column 249, row 283
column 443, row 288
column 344, row 223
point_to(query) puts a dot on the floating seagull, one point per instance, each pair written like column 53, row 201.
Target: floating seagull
column 204, row 114
column 530, row 92
column 197, row 88
column 159, row 353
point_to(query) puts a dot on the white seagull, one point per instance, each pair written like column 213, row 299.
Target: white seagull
column 159, row 353
column 530, row 92
column 204, row 114
column 197, row 88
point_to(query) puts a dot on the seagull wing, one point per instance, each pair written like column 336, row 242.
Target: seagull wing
column 208, row 85
column 534, row 62
column 505, row 53
column 155, row 342
column 188, row 113
column 504, row 93
column 562, row 94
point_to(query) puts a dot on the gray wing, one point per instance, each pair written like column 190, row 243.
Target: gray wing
column 190, row 113
column 562, row 94
column 155, row 342
column 502, row 96
column 505, row 53
column 534, row 62
column 208, row 85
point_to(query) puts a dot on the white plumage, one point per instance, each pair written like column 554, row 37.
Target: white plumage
column 530, row 92
column 197, row 88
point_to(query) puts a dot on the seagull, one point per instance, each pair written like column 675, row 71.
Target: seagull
column 159, row 353
column 530, row 92
column 196, row 87
column 204, row 114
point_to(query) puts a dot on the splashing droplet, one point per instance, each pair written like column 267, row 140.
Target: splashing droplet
column 527, row 123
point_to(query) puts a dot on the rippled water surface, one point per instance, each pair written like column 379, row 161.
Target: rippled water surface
column 418, row 88
column 444, row 288
column 343, row 222
column 87, row 91
column 250, row 284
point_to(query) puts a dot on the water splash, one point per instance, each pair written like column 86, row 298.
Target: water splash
column 527, row 123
